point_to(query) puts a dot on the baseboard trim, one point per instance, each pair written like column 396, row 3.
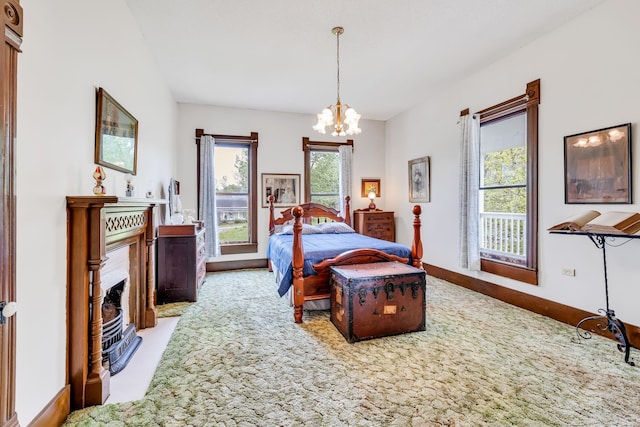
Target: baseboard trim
column 552, row 309
column 56, row 410
column 236, row 265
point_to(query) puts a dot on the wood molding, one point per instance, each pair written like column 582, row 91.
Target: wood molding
column 56, row 410
column 515, row 272
column 236, row 265
column 12, row 19
column 554, row 310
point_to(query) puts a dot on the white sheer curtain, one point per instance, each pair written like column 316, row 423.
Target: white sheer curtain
column 469, row 192
column 346, row 162
column 207, row 196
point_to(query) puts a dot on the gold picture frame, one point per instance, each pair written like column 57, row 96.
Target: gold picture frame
column 116, row 135
column 368, row 185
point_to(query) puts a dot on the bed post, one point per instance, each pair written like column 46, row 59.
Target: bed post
column 272, row 227
column 416, row 246
column 298, row 263
column 347, row 210
column 272, row 220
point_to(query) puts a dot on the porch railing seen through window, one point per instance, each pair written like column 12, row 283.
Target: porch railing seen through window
column 503, row 234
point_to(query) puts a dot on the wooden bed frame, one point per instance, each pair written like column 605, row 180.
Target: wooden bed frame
column 317, row 287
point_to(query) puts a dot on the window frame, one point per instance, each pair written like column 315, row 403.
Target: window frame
column 307, row 147
column 251, row 142
column 528, row 102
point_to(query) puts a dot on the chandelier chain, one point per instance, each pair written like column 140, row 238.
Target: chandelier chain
column 338, row 61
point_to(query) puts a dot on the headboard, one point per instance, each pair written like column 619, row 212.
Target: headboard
column 310, row 210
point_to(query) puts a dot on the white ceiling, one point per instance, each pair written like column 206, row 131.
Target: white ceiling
column 280, row 55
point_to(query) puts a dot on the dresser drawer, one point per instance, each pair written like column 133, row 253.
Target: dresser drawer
column 378, row 224
column 379, row 230
column 385, row 218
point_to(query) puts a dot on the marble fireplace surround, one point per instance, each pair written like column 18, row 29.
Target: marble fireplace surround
column 97, row 225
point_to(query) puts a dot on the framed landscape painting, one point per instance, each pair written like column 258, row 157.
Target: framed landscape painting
column 597, row 166
column 116, row 144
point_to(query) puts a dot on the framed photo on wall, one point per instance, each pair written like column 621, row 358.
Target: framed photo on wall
column 285, row 189
column 419, row 180
column 369, row 185
column 597, row 166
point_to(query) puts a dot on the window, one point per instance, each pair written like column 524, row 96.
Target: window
column 232, row 192
column 503, row 189
column 322, row 172
column 508, row 187
column 236, row 186
column 324, row 180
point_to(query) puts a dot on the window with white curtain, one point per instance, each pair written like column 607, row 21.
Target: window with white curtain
column 508, row 193
column 236, row 191
column 322, row 168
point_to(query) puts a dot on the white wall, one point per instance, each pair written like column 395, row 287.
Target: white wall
column 588, row 71
column 70, row 48
column 279, row 151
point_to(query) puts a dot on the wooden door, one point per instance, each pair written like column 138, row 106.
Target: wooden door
column 12, row 19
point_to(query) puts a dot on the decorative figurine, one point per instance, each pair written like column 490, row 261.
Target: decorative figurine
column 129, row 178
column 99, row 176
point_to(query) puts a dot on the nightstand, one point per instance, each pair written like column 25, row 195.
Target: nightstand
column 378, row 224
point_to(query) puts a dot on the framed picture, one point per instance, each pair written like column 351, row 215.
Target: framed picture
column 597, row 166
column 285, row 189
column 419, row 180
column 116, row 135
column 369, row 185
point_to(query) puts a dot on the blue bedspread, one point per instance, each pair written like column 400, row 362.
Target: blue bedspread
column 318, row 247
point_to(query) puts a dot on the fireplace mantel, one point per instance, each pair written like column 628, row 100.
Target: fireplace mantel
column 96, row 225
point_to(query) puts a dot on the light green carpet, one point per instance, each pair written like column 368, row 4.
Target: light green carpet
column 237, row 359
column 172, row 309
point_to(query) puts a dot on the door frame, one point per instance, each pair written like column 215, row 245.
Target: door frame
column 12, row 17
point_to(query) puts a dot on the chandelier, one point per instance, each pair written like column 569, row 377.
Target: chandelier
column 340, row 117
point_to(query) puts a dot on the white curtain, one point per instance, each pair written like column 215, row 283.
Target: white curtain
column 469, row 252
column 207, row 196
column 346, row 161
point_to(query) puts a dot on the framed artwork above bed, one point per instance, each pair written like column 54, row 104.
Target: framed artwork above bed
column 285, row 189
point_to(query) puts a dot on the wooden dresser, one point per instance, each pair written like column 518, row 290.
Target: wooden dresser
column 378, row 224
column 181, row 262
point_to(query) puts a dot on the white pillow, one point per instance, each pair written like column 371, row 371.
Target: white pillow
column 335, row 228
column 306, row 229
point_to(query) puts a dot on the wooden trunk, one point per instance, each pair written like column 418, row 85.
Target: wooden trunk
column 377, row 300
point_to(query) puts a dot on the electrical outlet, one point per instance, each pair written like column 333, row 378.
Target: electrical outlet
column 568, row 271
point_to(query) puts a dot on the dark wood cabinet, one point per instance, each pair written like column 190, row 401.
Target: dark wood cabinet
column 378, row 224
column 181, row 262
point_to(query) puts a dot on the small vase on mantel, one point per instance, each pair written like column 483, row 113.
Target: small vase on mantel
column 99, row 176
